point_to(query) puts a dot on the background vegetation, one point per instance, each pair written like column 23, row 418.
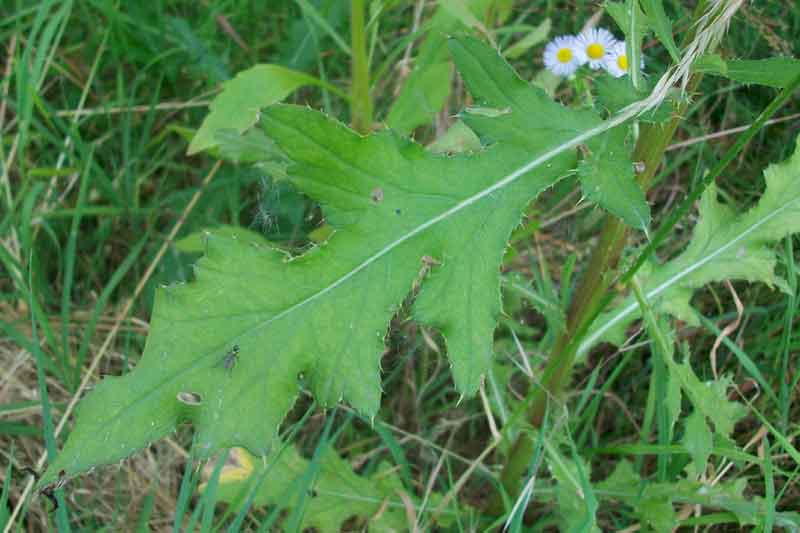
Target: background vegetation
column 98, row 100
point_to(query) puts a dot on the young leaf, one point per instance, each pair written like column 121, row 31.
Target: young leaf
column 329, row 494
column 624, row 484
column 709, row 399
column 607, row 178
column 658, row 512
column 460, row 9
column 251, row 147
column 726, row 245
column 237, row 106
column 256, row 324
column 423, row 96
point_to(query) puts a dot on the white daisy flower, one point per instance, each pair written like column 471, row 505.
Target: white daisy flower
column 595, row 44
column 562, row 56
column 616, row 60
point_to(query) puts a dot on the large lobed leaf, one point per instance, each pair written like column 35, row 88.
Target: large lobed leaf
column 318, row 320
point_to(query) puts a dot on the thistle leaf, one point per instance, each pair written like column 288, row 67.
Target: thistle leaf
column 726, row 244
column 256, row 325
column 607, row 178
column 653, row 502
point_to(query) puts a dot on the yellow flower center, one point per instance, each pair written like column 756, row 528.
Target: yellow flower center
column 622, row 62
column 564, row 55
column 595, row 51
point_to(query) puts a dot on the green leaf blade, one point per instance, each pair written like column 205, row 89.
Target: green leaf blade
column 726, row 244
column 423, row 95
column 241, row 99
column 698, row 440
column 335, row 493
column 775, row 72
column 661, row 25
column 607, row 178
column 537, row 35
column 428, row 86
column 318, row 320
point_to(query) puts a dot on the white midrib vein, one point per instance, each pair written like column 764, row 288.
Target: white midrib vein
column 467, row 202
column 657, row 290
column 656, row 96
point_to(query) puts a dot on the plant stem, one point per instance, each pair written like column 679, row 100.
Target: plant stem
column 361, row 104
column 650, row 148
column 592, row 291
column 591, row 295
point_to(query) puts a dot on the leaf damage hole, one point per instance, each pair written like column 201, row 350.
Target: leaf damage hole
column 190, row 398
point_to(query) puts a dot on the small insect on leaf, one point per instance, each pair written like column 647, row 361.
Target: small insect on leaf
column 49, row 490
column 230, row 359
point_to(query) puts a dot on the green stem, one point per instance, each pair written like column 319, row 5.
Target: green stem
column 596, row 281
column 361, row 104
column 592, row 294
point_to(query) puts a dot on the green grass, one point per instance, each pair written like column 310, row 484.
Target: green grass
column 88, row 200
